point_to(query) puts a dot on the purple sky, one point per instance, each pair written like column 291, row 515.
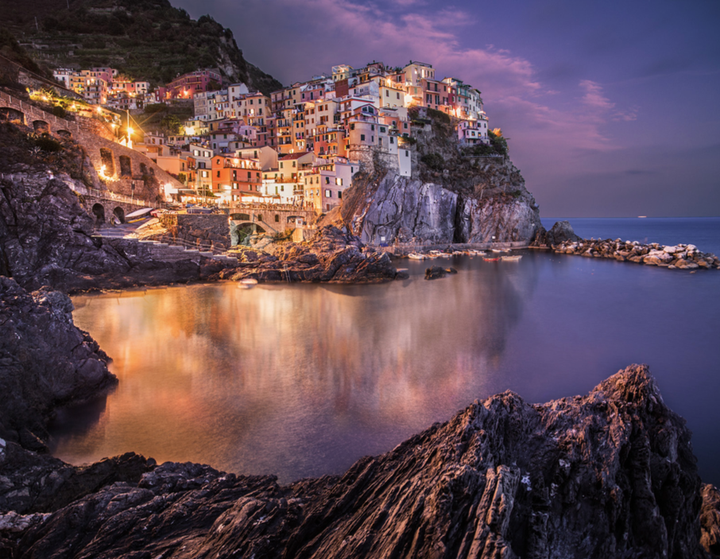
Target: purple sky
column 611, row 108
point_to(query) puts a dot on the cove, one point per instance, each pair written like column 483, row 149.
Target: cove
column 302, row 380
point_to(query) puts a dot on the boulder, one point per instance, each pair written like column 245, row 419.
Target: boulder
column 45, row 361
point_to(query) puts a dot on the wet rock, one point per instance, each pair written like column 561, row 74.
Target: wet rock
column 676, row 257
column 607, row 475
column 332, row 255
column 436, row 272
column 45, row 361
column 561, row 232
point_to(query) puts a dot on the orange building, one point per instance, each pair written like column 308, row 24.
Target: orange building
column 234, row 178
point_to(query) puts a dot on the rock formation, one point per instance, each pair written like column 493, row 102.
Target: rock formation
column 562, row 239
column 387, row 208
column 560, row 232
column 332, row 255
column 46, row 239
column 607, row 475
column 45, row 361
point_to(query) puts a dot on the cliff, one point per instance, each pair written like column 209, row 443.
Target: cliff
column 385, row 208
column 456, row 194
column 147, row 40
column 607, row 475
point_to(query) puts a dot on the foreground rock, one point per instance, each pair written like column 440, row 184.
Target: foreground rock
column 332, row 255
column 608, row 475
column 45, row 361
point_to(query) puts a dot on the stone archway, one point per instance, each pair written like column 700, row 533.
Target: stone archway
column 119, row 215
column 40, row 126
column 12, row 115
column 98, row 211
column 66, row 134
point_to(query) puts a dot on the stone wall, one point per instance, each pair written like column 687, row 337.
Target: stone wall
column 199, row 229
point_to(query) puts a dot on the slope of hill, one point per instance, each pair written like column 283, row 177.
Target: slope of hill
column 144, row 39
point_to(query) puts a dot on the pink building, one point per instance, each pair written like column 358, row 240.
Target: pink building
column 187, row 85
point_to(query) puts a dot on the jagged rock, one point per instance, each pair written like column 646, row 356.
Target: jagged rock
column 561, row 232
column 607, row 475
column 330, row 256
column 45, row 361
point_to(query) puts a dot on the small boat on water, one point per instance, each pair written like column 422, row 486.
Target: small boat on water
column 511, row 258
column 491, row 259
column 247, row 283
column 416, row 256
column 497, row 250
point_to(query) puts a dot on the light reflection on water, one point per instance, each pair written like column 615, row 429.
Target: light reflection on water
column 301, row 380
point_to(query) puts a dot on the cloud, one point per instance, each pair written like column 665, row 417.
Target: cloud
column 601, row 106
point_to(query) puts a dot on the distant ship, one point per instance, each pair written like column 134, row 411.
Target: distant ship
column 642, row 216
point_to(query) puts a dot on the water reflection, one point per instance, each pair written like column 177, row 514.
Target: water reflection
column 295, row 380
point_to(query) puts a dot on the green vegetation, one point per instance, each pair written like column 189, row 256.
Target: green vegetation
column 46, row 142
column 146, row 40
column 498, row 142
column 433, row 160
column 164, row 118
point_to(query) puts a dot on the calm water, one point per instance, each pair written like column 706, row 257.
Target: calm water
column 302, row 380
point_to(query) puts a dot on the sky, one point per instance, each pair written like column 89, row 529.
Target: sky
column 611, row 109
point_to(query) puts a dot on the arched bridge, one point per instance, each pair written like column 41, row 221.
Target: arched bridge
column 267, row 218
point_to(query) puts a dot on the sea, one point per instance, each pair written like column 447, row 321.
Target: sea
column 302, row 380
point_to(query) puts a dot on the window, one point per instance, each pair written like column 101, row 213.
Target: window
column 382, row 129
column 327, row 180
column 235, row 185
column 362, row 137
column 218, row 174
column 340, row 195
column 328, row 193
column 407, row 153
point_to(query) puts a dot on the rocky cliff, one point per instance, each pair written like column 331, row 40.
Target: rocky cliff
column 385, row 208
column 45, row 361
column 454, row 194
column 607, row 475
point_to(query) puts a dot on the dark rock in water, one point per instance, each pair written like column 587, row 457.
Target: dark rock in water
column 332, row 255
column 561, row 232
column 436, row 272
column 45, row 361
column 607, row 475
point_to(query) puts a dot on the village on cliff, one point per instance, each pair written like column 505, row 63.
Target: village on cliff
column 300, row 145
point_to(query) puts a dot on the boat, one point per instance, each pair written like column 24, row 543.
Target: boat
column 139, row 213
column 511, row 258
column 497, row 250
column 491, row 259
column 416, row 256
